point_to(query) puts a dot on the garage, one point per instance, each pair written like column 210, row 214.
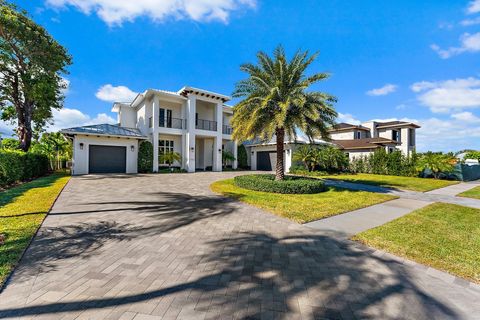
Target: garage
column 266, row 160
column 107, row 159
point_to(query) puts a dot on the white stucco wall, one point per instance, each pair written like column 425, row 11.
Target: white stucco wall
column 205, row 110
column 127, row 116
column 80, row 157
column 358, row 153
column 342, row 135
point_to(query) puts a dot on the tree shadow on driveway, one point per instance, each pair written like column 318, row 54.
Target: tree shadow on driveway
column 258, row 275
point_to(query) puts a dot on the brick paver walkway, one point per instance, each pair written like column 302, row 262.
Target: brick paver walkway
column 164, row 246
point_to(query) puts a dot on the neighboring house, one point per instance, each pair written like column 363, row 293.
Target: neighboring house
column 361, row 140
column 192, row 122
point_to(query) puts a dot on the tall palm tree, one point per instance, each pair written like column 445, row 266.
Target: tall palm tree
column 276, row 101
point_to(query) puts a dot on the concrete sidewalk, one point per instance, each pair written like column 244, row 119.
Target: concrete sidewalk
column 446, row 194
column 353, row 222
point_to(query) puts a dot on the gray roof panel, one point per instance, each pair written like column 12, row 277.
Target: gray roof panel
column 106, row 130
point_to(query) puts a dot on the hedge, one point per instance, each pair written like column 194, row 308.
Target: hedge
column 291, row 184
column 18, row 166
column 145, row 157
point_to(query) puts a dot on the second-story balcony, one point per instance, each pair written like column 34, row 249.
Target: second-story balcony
column 174, row 123
column 206, row 125
column 227, row 130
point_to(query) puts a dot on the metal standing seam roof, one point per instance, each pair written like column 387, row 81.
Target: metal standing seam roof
column 106, row 130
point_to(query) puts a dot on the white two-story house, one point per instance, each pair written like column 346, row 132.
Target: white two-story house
column 361, row 140
column 193, row 122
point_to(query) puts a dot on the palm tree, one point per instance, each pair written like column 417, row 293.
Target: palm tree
column 227, row 156
column 436, row 162
column 170, row 157
column 305, row 155
column 276, row 101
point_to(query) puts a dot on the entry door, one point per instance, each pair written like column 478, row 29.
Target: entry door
column 107, row 159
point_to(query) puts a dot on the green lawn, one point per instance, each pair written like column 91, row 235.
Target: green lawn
column 444, row 236
column 472, row 193
column 406, row 183
column 304, row 207
column 22, row 210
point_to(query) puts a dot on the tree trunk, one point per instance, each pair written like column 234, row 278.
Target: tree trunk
column 280, row 171
column 24, row 130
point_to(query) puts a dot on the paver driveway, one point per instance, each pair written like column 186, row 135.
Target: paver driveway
column 164, row 246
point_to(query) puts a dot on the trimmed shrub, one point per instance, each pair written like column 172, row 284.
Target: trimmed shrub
column 242, row 157
column 145, row 157
column 381, row 162
column 291, row 184
column 18, row 166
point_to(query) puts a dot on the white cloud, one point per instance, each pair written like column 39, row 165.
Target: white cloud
column 67, row 118
column 348, row 118
column 110, row 93
column 473, row 7
column 383, row 91
column 468, row 43
column 115, row 12
column 449, row 95
column 470, row 22
column 467, row 117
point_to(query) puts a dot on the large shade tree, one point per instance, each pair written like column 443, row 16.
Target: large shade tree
column 276, row 101
column 31, row 65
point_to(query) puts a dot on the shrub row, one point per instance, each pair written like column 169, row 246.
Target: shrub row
column 291, row 184
column 20, row 166
column 381, row 162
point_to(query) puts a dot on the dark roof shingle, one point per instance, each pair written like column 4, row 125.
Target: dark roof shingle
column 106, row 130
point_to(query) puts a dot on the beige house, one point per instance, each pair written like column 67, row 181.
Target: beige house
column 361, row 140
column 193, row 122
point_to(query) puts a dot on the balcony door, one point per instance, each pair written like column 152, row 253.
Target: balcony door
column 165, row 118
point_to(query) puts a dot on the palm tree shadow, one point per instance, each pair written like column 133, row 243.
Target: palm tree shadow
column 260, row 276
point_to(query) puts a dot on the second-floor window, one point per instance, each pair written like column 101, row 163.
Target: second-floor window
column 165, row 118
column 395, row 135
column 358, row 135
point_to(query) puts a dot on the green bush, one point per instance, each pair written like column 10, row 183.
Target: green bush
column 324, row 158
column 381, row 162
column 291, row 184
column 145, row 157
column 473, row 155
column 242, row 157
column 18, row 166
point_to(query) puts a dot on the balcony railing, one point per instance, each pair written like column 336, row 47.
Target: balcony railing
column 227, row 129
column 174, row 123
column 206, row 125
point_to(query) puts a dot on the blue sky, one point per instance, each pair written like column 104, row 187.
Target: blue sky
column 410, row 59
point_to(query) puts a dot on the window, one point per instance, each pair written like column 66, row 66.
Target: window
column 165, row 146
column 150, row 122
column 395, row 135
column 358, row 135
column 165, row 118
column 411, row 137
column 196, row 119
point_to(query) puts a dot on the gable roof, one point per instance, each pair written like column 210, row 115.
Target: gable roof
column 105, row 130
column 366, row 143
column 347, row 126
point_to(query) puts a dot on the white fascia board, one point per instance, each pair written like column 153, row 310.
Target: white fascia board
column 227, row 98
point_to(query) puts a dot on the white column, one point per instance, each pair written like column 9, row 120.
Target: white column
column 253, row 159
column 217, row 143
column 155, row 122
column 235, row 154
column 190, row 135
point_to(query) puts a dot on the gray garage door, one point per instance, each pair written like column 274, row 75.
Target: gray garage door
column 107, row 159
column 266, row 160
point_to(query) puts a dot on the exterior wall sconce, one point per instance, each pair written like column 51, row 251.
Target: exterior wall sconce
column 253, row 152
column 219, row 150
column 192, row 148
column 132, row 148
column 81, row 145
